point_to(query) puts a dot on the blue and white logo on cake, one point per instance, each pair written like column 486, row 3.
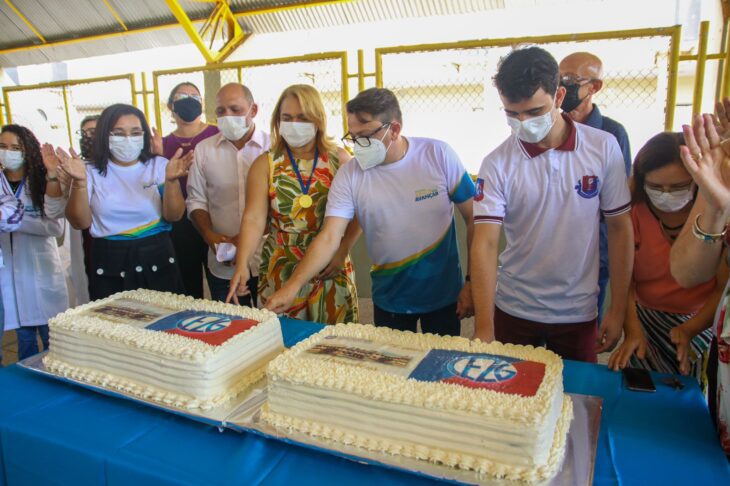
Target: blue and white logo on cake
column 211, row 327
column 481, row 370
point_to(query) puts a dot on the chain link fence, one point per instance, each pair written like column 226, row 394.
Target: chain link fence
column 266, row 80
column 448, row 93
column 53, row 111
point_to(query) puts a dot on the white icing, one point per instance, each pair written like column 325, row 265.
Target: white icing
column 498, row 434
column 160, row 366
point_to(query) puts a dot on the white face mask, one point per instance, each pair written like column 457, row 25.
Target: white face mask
column 126, row 149
column 11, row 159
column 233, row 127
column 534, row 129
column 670, row 202
column 374, row 154
column 297, row 134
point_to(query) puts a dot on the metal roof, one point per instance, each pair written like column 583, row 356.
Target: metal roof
column 73, row 29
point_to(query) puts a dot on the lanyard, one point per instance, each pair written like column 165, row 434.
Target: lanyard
column 305, row 188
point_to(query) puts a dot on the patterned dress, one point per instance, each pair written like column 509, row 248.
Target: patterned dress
column 292, row 228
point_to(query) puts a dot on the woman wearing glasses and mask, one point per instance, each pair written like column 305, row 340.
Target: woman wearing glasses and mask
column 667, row 327
column 286, row 195
column 186, row 104
column 127, row 197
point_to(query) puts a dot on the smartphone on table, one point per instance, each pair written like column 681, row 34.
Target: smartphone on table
column 638, row 379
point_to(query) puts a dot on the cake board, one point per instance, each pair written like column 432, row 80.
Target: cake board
column 250, row 399
column 242, row 414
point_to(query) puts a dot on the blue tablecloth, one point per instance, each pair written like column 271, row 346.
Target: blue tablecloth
column 56, row 433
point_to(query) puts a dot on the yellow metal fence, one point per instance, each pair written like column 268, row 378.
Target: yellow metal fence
column 53, row 111
column 446, row 90
column 267, row 79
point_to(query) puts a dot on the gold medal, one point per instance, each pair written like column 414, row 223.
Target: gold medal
column 305, row 201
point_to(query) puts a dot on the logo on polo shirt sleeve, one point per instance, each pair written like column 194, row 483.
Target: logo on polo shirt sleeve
column 479, row 190
column 587, row 187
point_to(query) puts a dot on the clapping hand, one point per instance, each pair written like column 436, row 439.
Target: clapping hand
column 179, row 165
column 71, row 164
column 156, row 146
column 50, row 159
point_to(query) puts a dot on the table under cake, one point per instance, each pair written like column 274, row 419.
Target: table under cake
column 56, row 433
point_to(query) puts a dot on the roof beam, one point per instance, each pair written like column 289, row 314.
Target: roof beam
column 112, row 35
column 115, row 14
column 26, row 21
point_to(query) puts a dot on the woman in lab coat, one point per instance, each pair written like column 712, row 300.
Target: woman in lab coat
column 11, row 215
column 32, row 279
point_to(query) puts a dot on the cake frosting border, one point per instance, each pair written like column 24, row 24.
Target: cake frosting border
column 166, row 344
column 374, row 385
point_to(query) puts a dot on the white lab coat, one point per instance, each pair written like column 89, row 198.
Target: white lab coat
column 32, row 279
column 72, row 253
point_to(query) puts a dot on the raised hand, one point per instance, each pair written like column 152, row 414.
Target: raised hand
column 50, row 159
column 179, row 165
column 156, row 146
column 707, row 162
column 722, row 118
column 72, row 164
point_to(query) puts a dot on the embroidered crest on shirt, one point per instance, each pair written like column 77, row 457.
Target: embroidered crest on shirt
column 479, row 190
column 587, row 187
column 423, row 194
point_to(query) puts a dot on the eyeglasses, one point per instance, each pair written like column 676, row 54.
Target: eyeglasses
column 362, row 140
column 570, row 79
column 182, row 96
column 133, row 133
column 89, row 132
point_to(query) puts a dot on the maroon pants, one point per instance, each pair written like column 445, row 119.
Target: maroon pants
column 576, row 341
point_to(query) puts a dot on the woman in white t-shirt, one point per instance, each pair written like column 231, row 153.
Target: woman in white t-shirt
column 127, row 197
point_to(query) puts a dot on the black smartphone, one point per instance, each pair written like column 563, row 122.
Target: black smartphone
column 637, row 379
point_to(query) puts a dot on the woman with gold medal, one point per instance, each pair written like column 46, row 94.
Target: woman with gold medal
column 286, row 196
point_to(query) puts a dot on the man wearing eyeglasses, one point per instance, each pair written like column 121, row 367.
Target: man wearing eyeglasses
column 581, row 74
column 403, row 192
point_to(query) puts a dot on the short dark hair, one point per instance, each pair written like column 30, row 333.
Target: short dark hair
column 380, row 103
column 88, row 119
column 105, row 125
column 170, row 98
column 659, row 151
column 35, row 171
column 523, row 71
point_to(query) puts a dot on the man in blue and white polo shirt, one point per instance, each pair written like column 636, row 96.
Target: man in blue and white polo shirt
column 402, row 192
column 545, row 185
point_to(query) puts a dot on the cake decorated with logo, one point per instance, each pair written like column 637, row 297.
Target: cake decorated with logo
column 494, row 408
column 163, row 347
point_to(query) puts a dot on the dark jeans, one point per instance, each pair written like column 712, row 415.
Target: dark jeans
column 192, row 255
column 219, row 289
column 28, row 340
column 441, row 321
column 575, row 341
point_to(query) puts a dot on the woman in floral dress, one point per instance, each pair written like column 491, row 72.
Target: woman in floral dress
column 286, row 196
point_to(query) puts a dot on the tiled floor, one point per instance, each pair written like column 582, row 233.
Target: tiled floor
column 10, row 348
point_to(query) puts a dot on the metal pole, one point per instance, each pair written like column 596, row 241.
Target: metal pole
column 700, row 72
column 345, row 90
column 68, row 116
column 145, row 101
column 672, row 69
column 360, row 70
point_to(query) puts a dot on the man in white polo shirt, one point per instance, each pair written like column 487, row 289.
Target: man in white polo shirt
column 217, row 183
column 403, row 192
column 545, row 185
